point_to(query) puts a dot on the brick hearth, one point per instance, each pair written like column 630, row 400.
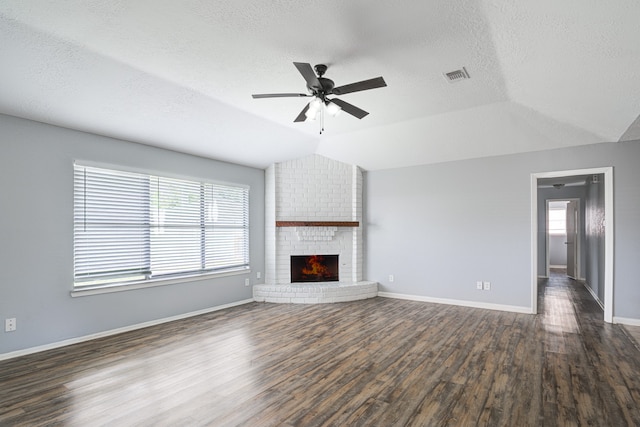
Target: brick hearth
column 315, row 293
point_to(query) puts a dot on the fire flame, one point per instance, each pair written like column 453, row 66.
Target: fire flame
column 316, row 267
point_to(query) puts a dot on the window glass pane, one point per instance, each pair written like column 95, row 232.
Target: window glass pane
column 557, row 221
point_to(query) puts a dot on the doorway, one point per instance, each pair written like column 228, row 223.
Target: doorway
column 563, row 236
column 538, row 234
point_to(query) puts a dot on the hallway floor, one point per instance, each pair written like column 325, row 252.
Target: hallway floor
column 577, row 340
column 634, row 333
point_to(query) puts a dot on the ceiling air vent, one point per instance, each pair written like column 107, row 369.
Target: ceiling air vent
column 457, row 75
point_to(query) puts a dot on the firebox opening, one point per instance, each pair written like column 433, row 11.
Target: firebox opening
column 314, row 268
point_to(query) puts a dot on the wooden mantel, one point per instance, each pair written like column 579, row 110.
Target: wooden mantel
column 317, row 223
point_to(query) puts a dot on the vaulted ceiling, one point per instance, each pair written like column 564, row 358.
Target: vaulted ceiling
column 179, row 75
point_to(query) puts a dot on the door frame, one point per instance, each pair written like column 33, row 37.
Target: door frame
column 608, row 229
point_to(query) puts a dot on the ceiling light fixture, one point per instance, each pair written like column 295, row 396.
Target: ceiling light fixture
column 333, row 108
column 311, row 115
column 315, row 104
column 314, row 107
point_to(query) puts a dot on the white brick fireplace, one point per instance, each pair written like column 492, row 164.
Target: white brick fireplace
column 313, row 207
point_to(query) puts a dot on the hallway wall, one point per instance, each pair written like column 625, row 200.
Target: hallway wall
column 594, row 244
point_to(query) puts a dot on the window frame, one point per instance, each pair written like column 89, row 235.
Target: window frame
column 78, row 289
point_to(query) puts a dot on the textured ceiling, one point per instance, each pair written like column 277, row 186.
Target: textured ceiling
column 180, row 75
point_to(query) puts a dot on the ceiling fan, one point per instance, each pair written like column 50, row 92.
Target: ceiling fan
column 320, row 88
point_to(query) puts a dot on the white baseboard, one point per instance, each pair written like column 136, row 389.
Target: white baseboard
column 593, row 294
column 24, row 352
column 463, row 303
column 626, row 321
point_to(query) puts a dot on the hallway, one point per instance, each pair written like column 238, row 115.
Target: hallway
column 590, row 368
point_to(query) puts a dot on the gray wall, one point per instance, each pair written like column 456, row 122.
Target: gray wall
column 594, row 245
column 36, row 236
column 439, row 228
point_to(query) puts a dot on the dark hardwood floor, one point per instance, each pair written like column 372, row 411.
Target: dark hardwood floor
column 377, row 362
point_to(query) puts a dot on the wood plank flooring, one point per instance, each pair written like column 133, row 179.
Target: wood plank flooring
column 377, row 362
column 634, row 334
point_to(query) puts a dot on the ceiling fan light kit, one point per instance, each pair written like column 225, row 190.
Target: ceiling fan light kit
column 320, row 88
column 333, row 109
column 316, row 103
column 312, row 111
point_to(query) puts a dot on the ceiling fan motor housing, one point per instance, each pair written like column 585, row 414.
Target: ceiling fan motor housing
column 326, row 86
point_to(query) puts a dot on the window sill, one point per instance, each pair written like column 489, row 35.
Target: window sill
column 107, row 289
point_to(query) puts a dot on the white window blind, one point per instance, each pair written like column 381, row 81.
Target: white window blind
column 131, row 227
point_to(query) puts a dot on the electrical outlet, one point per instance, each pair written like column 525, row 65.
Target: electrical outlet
column 10, row 324
column 258, row 275
column 479, row 284
column 391, row 278
column 487, row 286
column 247, row 282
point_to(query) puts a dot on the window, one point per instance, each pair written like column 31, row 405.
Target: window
column 558, row 221
column 132, row 227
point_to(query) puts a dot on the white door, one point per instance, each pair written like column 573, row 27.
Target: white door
column 572, row 239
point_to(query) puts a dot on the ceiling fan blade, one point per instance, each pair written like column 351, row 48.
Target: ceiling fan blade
column 349, row 108
column 358, row 86
column 308, row 74
column 301, row 117
column 279, row 95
